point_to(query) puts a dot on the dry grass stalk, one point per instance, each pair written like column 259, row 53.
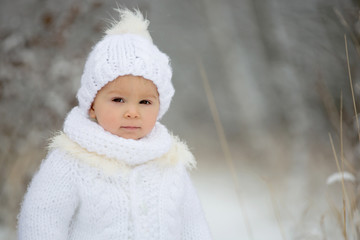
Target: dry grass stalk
column 333, row 113
column 224, row 145
column 350, row 230
column 349, row 29
column 351, row 87
column 276, row 209
column 354, row 207
column 322, row 226
column 329, row 103
column 344, row 193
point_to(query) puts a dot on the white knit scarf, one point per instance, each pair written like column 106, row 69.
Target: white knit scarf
column 91, row 136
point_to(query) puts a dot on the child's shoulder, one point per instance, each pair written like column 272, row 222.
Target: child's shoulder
column 78, row 154
column 55, row 165
column 179, row 154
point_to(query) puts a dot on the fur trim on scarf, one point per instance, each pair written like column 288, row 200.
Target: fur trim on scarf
column 179, row 153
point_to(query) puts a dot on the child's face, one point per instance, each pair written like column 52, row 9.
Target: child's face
column 127, row 107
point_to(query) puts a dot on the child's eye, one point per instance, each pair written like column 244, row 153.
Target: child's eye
column 145, row 102
column 120, row 100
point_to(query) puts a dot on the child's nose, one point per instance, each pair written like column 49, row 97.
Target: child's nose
column 132, row 112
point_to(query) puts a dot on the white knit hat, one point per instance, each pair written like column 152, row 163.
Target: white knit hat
column 126, row 49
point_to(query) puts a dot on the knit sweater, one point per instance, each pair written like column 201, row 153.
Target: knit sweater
column 86, row 195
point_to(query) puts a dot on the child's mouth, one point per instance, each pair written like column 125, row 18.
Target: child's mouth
column 130, row 127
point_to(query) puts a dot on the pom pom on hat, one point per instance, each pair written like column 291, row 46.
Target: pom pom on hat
column 131, row 22
column 126, row 49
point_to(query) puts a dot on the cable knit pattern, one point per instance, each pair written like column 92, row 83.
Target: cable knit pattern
column 127, row 48
column 51, row 201
column 73, row 197
column 94, row 185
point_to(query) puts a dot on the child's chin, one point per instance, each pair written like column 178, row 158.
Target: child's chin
column 130, row 136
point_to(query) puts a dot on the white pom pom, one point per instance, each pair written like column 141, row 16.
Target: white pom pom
column 339, row 176
column 132, row 22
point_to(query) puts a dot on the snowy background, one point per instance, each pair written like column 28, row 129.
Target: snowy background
column 275, row 71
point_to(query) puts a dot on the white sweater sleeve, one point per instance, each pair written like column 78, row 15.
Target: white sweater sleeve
column 195, row 226
column 50, row 201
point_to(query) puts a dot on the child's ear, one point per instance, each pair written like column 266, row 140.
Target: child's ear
column 92, row 112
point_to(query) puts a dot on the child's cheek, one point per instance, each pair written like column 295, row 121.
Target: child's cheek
column 111, row 120
column 107, row 119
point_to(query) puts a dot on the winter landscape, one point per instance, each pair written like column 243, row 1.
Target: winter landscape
column 267, row 95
